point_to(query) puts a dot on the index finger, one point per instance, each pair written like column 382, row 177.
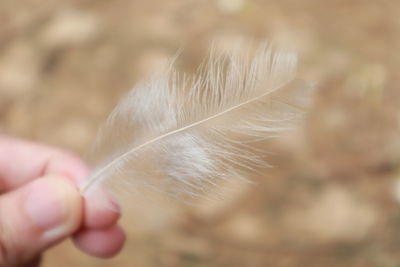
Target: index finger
column 23, row 161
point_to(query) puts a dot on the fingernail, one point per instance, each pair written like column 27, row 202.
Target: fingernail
column 101, row 199
column 47, row 208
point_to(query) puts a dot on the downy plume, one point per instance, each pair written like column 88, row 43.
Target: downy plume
column 184, row 134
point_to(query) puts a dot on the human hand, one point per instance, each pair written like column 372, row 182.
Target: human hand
column 40, row 205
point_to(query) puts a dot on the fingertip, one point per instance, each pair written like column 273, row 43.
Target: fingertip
column 104, row 243
column 54, row 205
column 37, row 216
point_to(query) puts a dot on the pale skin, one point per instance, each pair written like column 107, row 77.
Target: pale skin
column 40, row 205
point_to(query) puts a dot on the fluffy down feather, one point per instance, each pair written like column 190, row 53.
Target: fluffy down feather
column 183, row 134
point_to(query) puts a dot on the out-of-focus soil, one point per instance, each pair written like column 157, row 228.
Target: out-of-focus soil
column 332, row 198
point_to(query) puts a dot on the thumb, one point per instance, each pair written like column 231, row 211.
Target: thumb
column 36, row 216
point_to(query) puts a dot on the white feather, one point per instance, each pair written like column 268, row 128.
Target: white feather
column 183, row 134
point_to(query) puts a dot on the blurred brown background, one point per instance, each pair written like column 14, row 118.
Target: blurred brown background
column 333, row 197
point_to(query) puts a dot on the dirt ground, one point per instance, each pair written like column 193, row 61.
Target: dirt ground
column 332, row 198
